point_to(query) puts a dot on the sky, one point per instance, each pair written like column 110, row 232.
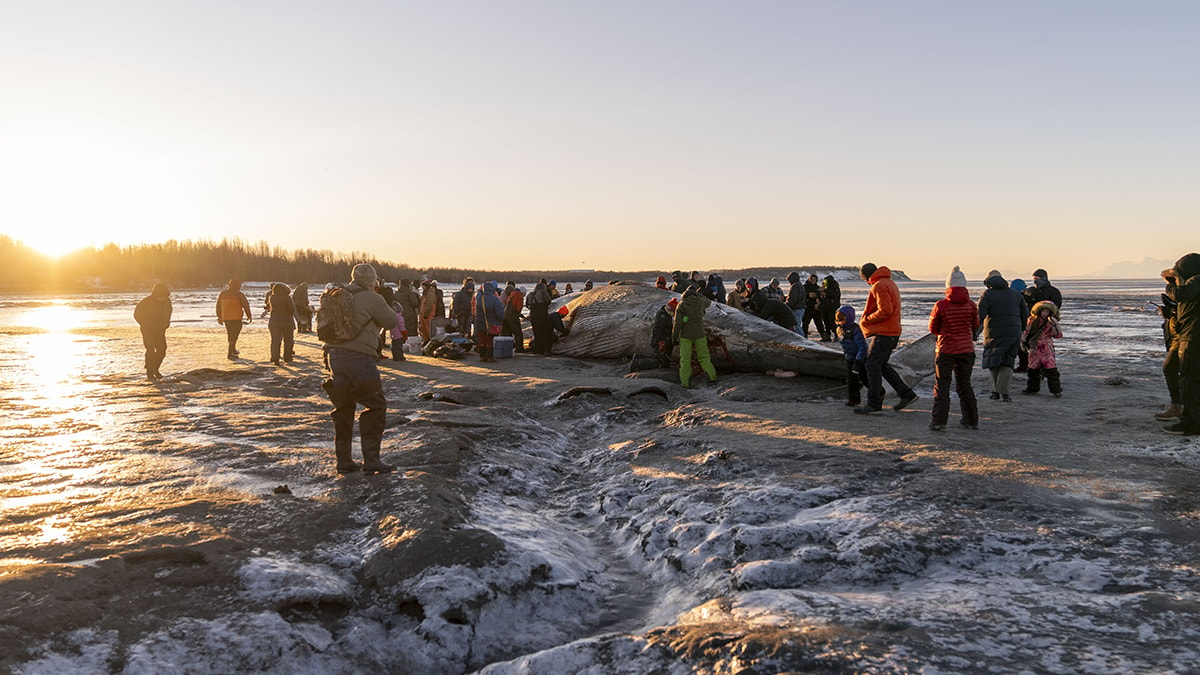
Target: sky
column 623, row 135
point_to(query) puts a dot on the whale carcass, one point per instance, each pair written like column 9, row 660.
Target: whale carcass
column 615, row 322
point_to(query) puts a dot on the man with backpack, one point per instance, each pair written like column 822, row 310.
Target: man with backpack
column 348, row 322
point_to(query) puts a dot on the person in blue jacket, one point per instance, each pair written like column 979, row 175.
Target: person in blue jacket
column 854, row 346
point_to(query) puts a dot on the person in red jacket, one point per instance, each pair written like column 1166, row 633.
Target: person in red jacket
column 880, row 324
column 954, row 320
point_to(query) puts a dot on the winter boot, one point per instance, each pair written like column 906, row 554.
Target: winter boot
column 371, row 461
column 1171, row 412
column 344, row 463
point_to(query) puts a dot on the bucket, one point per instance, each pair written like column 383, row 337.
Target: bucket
column 502, row 347
column 413, row 345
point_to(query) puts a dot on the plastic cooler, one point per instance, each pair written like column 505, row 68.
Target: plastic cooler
column 502, row 347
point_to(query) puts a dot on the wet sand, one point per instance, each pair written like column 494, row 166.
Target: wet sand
column 542, row 501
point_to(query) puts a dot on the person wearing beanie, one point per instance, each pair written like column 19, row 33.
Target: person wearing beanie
column 232, row 305
column 773, row 291
column 661, row 282
column 355, row 378
column 954, row 320
column 1002, row 312
column 1043, row 290
column 881, row 325
column 153, row 316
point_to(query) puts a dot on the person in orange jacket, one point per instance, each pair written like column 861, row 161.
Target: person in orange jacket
column 880, row 324
column 231, row 306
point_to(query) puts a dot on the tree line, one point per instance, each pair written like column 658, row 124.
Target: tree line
column 201, row 264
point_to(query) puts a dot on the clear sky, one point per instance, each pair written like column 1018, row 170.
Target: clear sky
column 612, row 135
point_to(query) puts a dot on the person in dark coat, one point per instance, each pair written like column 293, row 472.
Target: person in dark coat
column 538, row 303
column 660, row 333
column 716, row 288
column 1042, row 290
column 460, row 306
column 1170, row 366
column 1183, row 286
column 282, row 322
column 812, row 302
column 410, row 305
column 1002, row 312
column 513, row 303
column 489, row 320
column 775, row 311
column 679, row 283
column 795, row 295
column 153, row 315
column 304, row 310
column 831, row 300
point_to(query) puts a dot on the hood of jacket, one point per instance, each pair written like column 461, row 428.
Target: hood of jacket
column 1044, row 304
column 995, row 281
column 848, row 312
column 489, row 287
column 958, row 294
column 1188, row 266
column 829, row 282
column 881, row 273
column 793, row 277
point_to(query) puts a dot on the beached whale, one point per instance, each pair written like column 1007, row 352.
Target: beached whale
column 615, row 322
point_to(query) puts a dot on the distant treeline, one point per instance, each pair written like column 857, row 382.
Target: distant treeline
column 197, row 264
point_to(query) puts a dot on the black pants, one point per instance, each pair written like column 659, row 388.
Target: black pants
column 156, row 348
column 1189, row 385
column 511, row 327
column 543, row 333
column 1171, row 372
column 813, row 316
column 1053, row 382
column 879, row 350
column 958, row 367
column 356, row 381
column 856, row 376
column 285, row 336
column 232, row 330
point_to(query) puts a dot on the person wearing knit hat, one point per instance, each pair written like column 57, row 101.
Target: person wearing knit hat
column 1002, row 312
column 1043, row 290
column 954, row 320
column 660, row 333
column 880, row 324
column 661, row 282
column 355, row 378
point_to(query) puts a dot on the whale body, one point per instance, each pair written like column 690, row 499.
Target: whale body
column 616, row 321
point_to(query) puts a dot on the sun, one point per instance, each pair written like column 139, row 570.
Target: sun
column 65, row 198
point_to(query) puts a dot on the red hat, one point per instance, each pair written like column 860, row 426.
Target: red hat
column 672, row 304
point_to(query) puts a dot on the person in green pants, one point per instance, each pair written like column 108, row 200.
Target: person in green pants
column 688, row 333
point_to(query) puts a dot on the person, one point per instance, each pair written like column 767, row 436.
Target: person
column 355, row 378
column 153, row 316
column 304, row 310
column 232, row 305
column 1183, row 286
column 678, row 283
column 1170, row 365
column 489, row 319
column 880, row 324
column 1019, row 286
column 812, row 312
column 831, row 300
column 737, row 297
column 460, row 306
column 429, row 309
column 688, row 332
column 1038, row 341
column 282, row 322
column 954, row 320
column 587, row 285
column 539, row 318
column 513, row 303
column 1042, row 290
column 661, row 340
column 773, row 291
column 661, row 282
column 854, row 346
column 716, row 288
column 795, row 296
column 410, row 304
column 552, row 288
column 1002, row 312
column 752, row 291
column 399, row 332
column 568, row 289
column 773, row 310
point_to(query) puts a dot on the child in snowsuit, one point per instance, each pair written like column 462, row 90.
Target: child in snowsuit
column 1039, row 342
column 399, row 332
column 854, row 346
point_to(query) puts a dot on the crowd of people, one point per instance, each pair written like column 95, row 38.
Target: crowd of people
column 1018, row 324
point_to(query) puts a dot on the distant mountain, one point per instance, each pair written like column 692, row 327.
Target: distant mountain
column 1147, row 267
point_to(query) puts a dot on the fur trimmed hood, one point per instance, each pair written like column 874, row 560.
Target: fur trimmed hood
column 1045, row 304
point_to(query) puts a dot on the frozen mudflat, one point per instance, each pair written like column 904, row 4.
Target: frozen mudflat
column 553, row 516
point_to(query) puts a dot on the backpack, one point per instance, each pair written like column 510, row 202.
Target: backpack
column 335, row 315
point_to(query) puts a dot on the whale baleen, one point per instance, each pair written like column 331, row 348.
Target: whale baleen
column 615, row 322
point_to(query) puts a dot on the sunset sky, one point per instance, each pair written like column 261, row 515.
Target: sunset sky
column 611, row 135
